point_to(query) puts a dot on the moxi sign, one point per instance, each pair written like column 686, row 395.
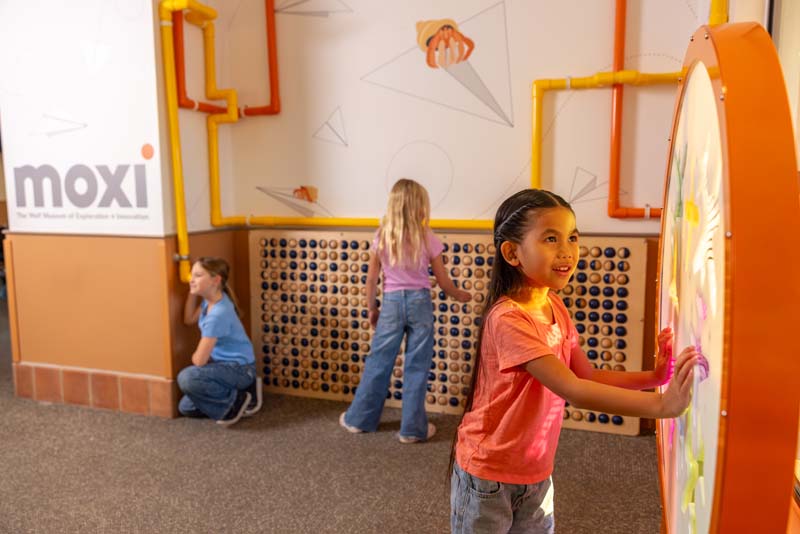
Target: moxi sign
column 82, row 196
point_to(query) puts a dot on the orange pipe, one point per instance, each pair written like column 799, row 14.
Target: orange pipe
column 616, row 108
column 274, row 106
column 184, row 101
column 180, row 70
column 614, row 209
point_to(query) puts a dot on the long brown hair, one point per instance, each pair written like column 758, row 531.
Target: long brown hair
column 220, row 267
column 514, row 218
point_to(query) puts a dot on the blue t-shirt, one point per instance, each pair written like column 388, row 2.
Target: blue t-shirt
column 232, row 345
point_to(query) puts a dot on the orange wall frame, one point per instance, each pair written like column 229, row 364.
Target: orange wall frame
column 756, row 444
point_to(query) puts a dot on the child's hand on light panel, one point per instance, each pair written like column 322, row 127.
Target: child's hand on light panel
column 679, row 392
column 665, row 363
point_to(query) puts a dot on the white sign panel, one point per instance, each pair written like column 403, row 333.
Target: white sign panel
column 79, row 116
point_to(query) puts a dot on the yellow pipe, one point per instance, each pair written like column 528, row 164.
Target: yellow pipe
column 718, row 13
column 600, row 79
column 231, row 115
column 165, row 13
column 455, row 224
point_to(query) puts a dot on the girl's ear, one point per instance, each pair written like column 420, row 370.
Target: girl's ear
column 509, row 252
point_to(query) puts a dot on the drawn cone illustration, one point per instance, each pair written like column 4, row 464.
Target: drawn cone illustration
column 303, row 199
column 446, row 47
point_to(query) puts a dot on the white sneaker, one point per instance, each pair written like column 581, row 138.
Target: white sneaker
column 237, row 410
column 347, row 427
column 414, row 439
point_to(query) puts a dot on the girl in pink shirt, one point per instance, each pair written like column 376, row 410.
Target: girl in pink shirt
column 528, row 363
column 403, row 249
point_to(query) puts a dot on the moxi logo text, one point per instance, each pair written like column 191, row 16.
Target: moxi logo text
column 85, row 197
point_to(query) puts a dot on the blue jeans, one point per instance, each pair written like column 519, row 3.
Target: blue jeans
column 408, row 311
column 211, row 389
column 487, row 507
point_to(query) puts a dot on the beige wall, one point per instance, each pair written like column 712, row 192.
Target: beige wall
column 786, row 34
column 94, row 302
column 2, row 184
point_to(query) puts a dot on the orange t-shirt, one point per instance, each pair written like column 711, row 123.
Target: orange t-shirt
column 511, row 433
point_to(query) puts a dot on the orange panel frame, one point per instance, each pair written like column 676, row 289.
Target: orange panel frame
column 759, row 395
column 274, row 106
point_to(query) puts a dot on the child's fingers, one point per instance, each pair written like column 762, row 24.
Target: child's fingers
column 687, row 376
column 684, row 364
column 684, row 356
column 686, row 386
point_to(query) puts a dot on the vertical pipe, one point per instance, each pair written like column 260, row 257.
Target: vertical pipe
column 168, row 59
column 274, row 106
column 536, row 137
column 274, row 92
column 718, row 13
column 616, row 109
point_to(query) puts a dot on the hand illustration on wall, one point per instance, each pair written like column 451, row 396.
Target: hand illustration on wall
column 442, row 43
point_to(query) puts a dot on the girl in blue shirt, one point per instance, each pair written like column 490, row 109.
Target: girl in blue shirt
column 224, row 364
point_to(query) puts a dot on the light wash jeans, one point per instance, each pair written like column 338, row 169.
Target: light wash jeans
column 211, row 389
column 407, row 311
column 488, row 507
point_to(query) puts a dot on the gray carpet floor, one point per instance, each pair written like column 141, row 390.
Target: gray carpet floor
column 289, row 469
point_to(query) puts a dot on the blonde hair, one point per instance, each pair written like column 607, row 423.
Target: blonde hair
column 402, row 233
column 220, row 267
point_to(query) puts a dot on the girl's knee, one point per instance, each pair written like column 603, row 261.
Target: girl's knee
column 187, row 378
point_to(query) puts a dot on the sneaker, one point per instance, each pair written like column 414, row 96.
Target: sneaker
column 414, row 439
column 237, row 410
column 347, row 427
column 256, row 391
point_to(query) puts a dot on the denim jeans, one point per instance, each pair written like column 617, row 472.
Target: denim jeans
column 407, row 311
column 211, row 389
column 488, row 507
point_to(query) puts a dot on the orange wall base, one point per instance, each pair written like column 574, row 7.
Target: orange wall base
column 136, row 394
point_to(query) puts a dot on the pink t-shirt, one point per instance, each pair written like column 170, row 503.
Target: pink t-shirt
column 396, row 278
column 511, row 433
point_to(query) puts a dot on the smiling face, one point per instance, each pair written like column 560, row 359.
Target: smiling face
column 203, row 283
column 548, row 254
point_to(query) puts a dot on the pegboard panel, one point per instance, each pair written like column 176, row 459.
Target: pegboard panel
column 606, row 300
column 312, row 332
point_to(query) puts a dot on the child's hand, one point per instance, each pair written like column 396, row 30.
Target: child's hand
column 679, row 392
column 373, row 317
column 463, row 296
column 665, row 363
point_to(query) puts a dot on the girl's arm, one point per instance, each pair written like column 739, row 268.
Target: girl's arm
column 579, row 363
column 444, row 281
column 590, row 395
column 373, row 272
column 191, row 309
column 203, row 351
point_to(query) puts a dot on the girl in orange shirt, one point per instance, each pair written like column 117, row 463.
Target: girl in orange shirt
column 528, row 363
